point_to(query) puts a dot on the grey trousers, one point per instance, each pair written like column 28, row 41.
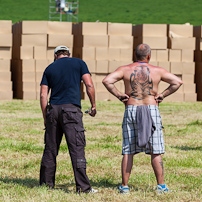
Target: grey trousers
column 67, row 119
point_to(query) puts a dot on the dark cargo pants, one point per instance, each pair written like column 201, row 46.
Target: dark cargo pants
column 67, row 119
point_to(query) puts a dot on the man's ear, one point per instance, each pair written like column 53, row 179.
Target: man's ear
column 148, row 57
column 56, row 57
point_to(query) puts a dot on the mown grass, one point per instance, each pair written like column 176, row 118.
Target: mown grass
column 22, row 143
column 127, row 11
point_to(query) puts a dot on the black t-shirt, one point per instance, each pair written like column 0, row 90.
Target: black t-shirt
column 63, row 77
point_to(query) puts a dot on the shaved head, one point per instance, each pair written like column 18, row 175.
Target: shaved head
column 142, row 51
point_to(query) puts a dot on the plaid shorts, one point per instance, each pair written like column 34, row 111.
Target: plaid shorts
column 130, row 138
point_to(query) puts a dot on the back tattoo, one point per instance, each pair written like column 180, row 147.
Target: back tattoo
column 140, row 82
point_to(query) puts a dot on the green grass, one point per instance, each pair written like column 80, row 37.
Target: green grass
column 22, row 144
column 127, row 11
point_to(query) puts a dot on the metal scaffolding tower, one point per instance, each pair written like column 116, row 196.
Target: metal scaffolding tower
column 63, row 10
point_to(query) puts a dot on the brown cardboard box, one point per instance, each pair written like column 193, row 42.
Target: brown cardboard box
column 188, row 67
column 5, row 86
column 176, row 67
column 101, row 53
column 5, row 52
column 123, row 63
column 181, row 30
column 102, row 95
column 5, row 76
column 27, row 65
column 154, row 63
column 6, row 95
column 40, row 52
column 153, row 55
column 113, row 98
column 188, row 78
column 6, row 40
column 165, row 65
column 85, row 53
column 175, row 97
column 6, row 26
column 34, row 40
column 38, row 87
column 91, row 41
column 92, row 28
column 102, row 66
column 190, row 97
column 187, row 55
column 55, row 27
column 154, row 42
column 189, row 87
column 114, row 54
column 40, row 65
column 26, row 86
column 26, row 52
column 116, row 41
column 55, row 40
column 162, row 55
column 182, row 43
column 5, row 65
column 175, row 55
column 91, row 65
column 113, row 65
column 50, row 53
column 120, row 29
column 100, row 87
column 162, row 86
column 33, row 27
column 99, row 77
column 39, row 76
column 126, row 54
column 25, row 95
column 154, row 30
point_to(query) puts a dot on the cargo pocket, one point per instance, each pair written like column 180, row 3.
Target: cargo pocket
column 70, row 115
column 49, row 114
column 80, row 136
column 81, row 163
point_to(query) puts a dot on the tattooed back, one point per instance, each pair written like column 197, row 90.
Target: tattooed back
column 141, row 82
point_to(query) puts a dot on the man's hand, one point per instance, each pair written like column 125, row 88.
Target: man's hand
column 159, row 98
column 92, row 112
column 124, row 98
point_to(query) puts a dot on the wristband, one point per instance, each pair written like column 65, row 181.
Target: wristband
column 163, row 95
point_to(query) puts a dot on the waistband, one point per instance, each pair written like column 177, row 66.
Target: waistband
column 135, row 106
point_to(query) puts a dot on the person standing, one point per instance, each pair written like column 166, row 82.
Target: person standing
column 142, row 127
column 63, row 115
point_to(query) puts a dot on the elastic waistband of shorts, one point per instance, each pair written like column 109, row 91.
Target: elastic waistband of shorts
column 135, row 106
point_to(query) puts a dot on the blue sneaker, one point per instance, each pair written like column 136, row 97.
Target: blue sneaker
column 123, row 189
column 161, row 190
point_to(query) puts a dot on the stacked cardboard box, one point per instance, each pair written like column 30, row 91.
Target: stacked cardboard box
column 104, row 47
column 198, row 61
column 33, row 49
column 6, row 92
column 181, row 44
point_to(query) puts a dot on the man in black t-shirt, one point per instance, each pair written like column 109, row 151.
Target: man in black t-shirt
column 63, row 115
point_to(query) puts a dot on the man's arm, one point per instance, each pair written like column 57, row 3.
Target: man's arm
column 44, row 101
column 109, row 82
column 174, row 82
column 90, row 91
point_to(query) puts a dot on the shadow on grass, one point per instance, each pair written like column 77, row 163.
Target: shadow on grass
column 186, row 148
column 28, row 182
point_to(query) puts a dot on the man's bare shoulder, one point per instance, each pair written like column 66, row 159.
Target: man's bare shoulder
column 157, row 68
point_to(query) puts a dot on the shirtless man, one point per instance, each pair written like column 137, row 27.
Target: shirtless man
column 141, row 82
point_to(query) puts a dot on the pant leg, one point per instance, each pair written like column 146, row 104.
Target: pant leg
column 75, row 137
column 53, row 137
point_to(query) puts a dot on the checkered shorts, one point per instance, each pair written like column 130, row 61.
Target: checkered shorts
column 130, row 138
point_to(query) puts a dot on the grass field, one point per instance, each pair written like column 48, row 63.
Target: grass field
column 21, row 147
column 127, row 11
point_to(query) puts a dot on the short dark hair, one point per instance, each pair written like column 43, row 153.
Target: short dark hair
column 142, row 51
column 62, row 52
